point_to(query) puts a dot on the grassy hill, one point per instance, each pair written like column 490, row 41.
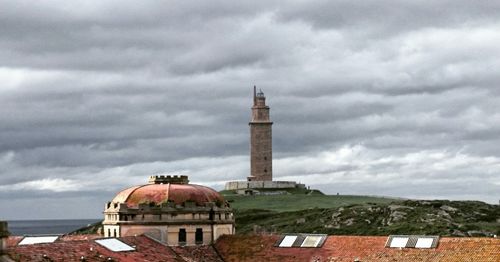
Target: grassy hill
column 304, row 211
column 362, row 215
column 295, row 202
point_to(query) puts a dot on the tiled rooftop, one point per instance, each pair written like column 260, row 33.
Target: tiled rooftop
column 75, row 250
column 198, row 253
column 361, row 248
column 258, row 248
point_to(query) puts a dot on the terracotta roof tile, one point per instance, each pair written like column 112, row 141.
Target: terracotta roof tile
column 198, row 253
column 74, row 250
column 258, row 248
column 349, row 248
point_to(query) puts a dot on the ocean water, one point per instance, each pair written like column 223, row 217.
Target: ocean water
column 41, row 227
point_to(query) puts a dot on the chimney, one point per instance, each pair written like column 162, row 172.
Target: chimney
column 4, row 234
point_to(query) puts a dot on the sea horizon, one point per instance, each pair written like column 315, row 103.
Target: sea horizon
column 22, row 227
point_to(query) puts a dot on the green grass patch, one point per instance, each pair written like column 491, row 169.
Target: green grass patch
column 282, row 203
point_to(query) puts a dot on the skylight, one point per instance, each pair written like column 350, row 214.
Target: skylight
column 311, row 241
column 38, row 240
column 114, row 245
column 412, row 241
column 399, row 242
column 424, row 242
column 288, row 241
column 301, row 240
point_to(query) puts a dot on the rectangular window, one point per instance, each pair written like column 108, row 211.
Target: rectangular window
column 199, row 236
column 182, row 236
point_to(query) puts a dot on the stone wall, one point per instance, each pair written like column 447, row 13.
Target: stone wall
column 261, row 155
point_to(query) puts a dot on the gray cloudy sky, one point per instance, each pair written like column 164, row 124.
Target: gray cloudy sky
column 395, row 98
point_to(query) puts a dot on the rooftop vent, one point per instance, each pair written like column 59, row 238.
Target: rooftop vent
column 301, row 240
column 411, row 241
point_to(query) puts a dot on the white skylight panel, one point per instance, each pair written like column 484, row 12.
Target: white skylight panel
column 114, row 245
column 399, row 242
column 311, row 241
column 287, row 241
column 38, row 240
column 301, row 240
column 424, row 242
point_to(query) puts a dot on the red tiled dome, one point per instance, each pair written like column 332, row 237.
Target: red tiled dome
column 161, row 193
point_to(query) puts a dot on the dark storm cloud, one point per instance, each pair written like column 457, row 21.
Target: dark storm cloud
column 96, row 96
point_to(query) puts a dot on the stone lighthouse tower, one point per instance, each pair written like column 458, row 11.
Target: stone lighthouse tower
column 261, row 153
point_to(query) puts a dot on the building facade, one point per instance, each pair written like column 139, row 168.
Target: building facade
column 261, row 153
column 170, row 210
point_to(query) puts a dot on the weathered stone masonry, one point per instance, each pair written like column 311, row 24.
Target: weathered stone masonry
column 261, row 153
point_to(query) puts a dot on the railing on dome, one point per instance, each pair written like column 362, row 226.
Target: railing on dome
column 168, row 179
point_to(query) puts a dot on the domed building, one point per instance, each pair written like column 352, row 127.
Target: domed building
column 170, row 210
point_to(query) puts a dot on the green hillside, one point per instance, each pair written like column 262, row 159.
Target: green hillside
column 363, row 215
column 296, row 202
column 312, row 212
